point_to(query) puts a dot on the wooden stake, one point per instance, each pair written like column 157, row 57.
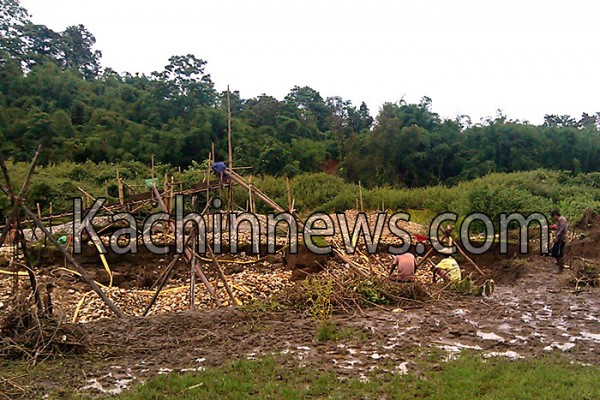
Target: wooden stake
column 171, row 195
column 207, row 177
column 50, row 217
column 152, row 169
column 250, row 193
column 39, row 212
column 362, row 206
column 230, row 158
column 166, row 191
column 121, row 191
column 288, row 188
column 193, row 274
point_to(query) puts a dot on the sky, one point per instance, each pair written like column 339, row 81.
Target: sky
column 527, row 58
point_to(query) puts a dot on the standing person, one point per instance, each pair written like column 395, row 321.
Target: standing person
column 560, row 239
column 48, row 304
column 407, row 267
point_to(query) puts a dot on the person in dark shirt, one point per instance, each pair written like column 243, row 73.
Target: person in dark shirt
column 560, row 239
column 48, row 304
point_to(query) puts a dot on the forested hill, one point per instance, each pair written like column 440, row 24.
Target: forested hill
column 54, row 91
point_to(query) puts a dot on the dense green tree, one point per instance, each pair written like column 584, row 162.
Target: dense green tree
column 77, row 43
column 310, row 105
column 13, row 17
column 53, row 91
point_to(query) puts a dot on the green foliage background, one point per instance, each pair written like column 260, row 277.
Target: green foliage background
column 92, row 120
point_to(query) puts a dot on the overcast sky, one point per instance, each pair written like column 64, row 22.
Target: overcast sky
column 528, row 58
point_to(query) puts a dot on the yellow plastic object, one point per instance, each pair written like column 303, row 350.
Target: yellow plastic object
column 451, row 266
column 106, row 267
column 76, row 314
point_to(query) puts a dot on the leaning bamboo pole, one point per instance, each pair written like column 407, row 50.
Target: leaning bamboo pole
column 74, row 263
column 338, row 253
column 163, row 280
column 188, row 253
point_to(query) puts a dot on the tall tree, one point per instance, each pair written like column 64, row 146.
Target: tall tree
column 184, row 84
column 77, row 43
column 13, row 17
column 311, row 105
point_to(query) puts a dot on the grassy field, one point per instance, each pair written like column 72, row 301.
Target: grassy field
column 468, row 377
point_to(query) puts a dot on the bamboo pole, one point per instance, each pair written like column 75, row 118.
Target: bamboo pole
column 338, row 253
column 207, row 177
column 469, row 260
column 152, row 176
column 188, row 253
column 94, row 199
column 230, row 152
column 171, row 195
column 425, row 257
column 288, row 188
column 166, row 192
column 217, row 266
column 85, row 199
column 193, row 275
column 120, row 189
column 29, row 267
column 74, row 263
column 162, row 283
column 50, row 218
column 39, row 212
column 250, row 195
column 362, row 206
column 16, row 201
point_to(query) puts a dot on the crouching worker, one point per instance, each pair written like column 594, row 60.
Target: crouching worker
column 448, row 270
column 405, row 267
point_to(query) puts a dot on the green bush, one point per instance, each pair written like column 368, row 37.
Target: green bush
column 526, row 192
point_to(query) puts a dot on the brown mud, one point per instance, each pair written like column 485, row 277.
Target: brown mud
column 533, row 312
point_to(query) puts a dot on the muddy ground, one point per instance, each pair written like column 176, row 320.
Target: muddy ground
column 531, row 313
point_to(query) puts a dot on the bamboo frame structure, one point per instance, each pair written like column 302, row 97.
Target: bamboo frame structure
column 165, row 201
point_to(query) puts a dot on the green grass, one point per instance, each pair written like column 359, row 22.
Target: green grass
column 468, row 377
column 331, row 331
